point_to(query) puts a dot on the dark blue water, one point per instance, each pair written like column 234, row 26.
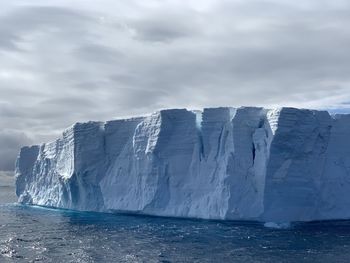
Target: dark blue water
column 30, row 234
column 33, row 234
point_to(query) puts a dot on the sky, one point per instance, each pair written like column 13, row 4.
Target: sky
column 67, row 61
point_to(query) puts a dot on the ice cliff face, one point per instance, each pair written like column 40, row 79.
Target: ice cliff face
column 248, row 163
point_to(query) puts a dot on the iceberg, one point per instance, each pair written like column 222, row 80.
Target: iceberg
column 247, row 163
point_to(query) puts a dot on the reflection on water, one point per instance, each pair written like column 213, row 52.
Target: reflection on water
column 47, row 235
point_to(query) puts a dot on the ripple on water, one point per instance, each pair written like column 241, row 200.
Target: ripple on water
column 45, row 235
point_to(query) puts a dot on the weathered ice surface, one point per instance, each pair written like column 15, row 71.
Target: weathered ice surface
column 248, row 163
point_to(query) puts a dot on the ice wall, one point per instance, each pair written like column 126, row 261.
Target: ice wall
column 221, row 163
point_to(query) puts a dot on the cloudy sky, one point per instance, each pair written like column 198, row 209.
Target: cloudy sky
column 66, row 61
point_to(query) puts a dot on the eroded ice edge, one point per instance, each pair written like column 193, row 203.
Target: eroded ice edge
column 278, row 165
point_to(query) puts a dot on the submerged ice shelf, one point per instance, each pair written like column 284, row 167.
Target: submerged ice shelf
column 249, row 163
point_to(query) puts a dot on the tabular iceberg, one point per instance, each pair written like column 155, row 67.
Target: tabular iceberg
column 249, row 163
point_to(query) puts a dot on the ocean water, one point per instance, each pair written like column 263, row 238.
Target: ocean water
column 7, row 188
column 34, row 234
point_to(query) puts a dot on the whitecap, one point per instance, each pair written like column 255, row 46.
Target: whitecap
column 279, row 225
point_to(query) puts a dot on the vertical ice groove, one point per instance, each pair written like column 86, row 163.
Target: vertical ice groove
column 199, row 118
column 246, row 168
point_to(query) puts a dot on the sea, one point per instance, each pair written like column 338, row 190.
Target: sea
column 37, row 234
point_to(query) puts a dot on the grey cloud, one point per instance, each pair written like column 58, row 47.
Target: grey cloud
column 53, row 20
column 65, row 102
column 97, row 54
column 161, row 28
column 66, row 63
column 6, row 178
column 26, row 18
column 138, row 97
column 10, row 142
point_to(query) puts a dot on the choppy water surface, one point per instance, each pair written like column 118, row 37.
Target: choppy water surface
column 29, row 234
column 33, row 234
